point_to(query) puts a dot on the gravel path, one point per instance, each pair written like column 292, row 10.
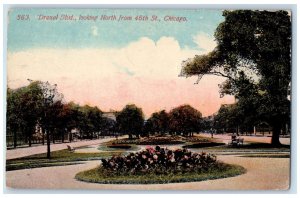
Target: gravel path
column 262, row 174
column 22, row 152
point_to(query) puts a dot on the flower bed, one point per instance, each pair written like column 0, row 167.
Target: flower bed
column 159, row 165
column 196, row 139
column 161, row 140
column 159, row 160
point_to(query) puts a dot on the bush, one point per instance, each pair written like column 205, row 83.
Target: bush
column 159, row 161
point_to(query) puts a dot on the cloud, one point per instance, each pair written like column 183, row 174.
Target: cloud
column 204, row 42
column 144, row 72
column 94, row 30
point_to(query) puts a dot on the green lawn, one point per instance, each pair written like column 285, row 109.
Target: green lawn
column 58, row 158
column 97, row 175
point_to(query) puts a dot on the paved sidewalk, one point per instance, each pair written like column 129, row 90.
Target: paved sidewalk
column 22, row 152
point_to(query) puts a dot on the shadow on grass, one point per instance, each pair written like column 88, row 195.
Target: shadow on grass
column 254, row 145
column 267, row 156
column 58, row 158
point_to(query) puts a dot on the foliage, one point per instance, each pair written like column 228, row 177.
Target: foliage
column 159, row 161
column 130, row 120
column 90, row 121
column 39, row 109
column 185, row 119
column 254, row 54
column 24, row 109
column 158, row 122
column 159, row 165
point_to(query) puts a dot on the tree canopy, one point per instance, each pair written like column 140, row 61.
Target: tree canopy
column 185, row 119
column 253, row 53
column 130, row 120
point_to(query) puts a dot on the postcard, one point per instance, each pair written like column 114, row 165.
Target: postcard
column 148, row 99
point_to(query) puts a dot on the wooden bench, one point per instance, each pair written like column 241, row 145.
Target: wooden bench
column 70, row 148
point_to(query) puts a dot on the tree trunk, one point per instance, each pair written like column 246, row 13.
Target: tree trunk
column 15, row 138
column 48, row 144
column 43, row 136
column 53, row 138
column 70, row 136
column 276, row 132
column 29, row 140
column 63, row 136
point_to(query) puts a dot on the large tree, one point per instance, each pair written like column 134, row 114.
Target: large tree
column 51, row 109
column 185, row 119
column 130, row 120
column 24, row 108
column 158, row 122
column 254, row 53
column 90, row 120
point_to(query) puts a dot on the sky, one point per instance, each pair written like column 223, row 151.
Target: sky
column 111, row 63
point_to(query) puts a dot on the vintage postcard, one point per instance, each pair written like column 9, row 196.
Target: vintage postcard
column 148, row 99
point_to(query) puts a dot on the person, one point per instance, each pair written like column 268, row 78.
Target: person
column 233, row 137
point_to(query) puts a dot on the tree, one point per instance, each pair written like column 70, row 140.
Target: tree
column 29, row 106
column 185, row 119
column 52, row 105
column 228, row 118
column 108, row 125
column 158, row 122
column 253, row 52
column 90, row 120
column 14, row 120
column 130, row 120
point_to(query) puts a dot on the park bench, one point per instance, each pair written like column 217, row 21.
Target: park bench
column 236, row 141
column 70, row 148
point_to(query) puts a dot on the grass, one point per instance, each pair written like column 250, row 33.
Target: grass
column 27, row 165
column 97, row 175
column 252, row 146
column 203, row 145
column 58, row 158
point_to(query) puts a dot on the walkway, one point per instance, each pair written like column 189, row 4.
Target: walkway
column 262, row 174
column 22, row 152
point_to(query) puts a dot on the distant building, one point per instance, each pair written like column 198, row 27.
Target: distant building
column 110, row 114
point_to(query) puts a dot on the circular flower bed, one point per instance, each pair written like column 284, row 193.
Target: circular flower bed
column 160, row 165
column 159, row 160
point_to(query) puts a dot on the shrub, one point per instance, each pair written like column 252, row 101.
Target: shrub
column 159, row 161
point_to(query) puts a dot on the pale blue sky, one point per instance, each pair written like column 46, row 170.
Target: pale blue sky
column 111, row 63
column 24, row 35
